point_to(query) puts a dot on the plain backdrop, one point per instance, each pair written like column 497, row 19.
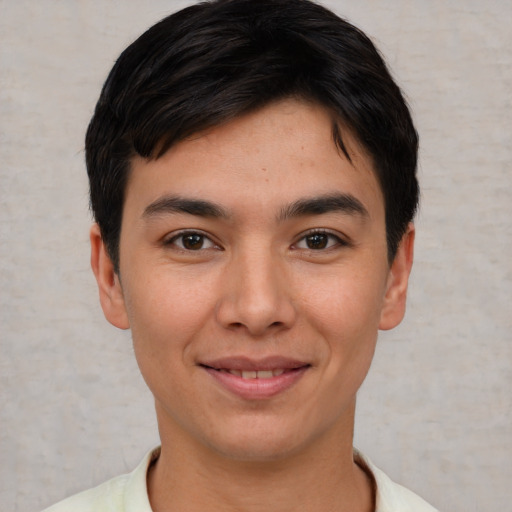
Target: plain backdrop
column 436, row 410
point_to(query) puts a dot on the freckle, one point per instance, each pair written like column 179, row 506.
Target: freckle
column 264, row 169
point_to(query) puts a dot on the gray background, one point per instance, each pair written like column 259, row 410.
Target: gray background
column 435, row 412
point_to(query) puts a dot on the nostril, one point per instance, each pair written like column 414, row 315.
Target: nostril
column 240, row 325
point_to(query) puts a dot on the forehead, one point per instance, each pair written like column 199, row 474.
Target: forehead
column 273, row 155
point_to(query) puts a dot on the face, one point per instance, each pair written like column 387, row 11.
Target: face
column 254, row 278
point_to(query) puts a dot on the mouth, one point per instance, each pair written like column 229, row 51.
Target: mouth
column 256, row 379
column 255, row 374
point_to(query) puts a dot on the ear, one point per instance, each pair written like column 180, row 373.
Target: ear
column 109, row 285
column 393, row 309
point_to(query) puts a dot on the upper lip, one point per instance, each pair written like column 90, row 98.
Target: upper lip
column 244, row 363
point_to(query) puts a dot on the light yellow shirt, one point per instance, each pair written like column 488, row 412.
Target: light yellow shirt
column 128, row 493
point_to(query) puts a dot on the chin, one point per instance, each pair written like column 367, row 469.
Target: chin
column 257, row 440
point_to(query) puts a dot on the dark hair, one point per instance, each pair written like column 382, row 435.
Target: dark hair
column 217, row 60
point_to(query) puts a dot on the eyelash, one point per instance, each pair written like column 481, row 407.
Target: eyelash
column 204, row 238
column 338, row 241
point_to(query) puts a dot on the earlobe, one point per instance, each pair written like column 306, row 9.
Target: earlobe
column 393, row 309
column 109, row 285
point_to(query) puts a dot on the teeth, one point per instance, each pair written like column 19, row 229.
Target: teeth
column 260, row 374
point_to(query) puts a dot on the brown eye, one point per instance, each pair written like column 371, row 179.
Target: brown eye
column 192, row 241
column 317, row 241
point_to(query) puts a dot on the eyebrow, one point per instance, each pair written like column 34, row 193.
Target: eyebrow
column 343, row 203
column 176, row 204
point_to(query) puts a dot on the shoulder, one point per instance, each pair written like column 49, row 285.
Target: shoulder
column 125, row 493
column 106, row 497
column 392, row 497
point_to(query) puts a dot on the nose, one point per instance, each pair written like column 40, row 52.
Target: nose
column 256, row 295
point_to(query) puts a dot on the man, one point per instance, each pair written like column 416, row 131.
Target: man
column 252, row 176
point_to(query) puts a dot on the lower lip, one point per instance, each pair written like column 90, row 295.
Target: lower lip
column 257, row 389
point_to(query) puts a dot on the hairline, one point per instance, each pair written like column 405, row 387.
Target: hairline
column 338, row 127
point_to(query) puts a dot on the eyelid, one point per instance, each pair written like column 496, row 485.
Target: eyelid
column 170, row 239
column 341, row 241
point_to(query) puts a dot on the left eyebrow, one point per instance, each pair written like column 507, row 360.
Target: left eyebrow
column 177, row 204
column 343, row 203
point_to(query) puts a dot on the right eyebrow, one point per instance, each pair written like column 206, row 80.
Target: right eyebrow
column 318, row 205
column 178, row 204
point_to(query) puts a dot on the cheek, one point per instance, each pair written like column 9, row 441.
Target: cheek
column 346, row 313
column 344, row 304
column 166, row 317
column 166, row 312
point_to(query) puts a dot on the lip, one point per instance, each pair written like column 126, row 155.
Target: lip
column 256, row 389
column 244, row 363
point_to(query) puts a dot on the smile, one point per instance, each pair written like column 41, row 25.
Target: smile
column 256, row 380
column 255, row 374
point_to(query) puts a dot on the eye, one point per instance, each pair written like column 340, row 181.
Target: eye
column 319, row 240
column 191, row 241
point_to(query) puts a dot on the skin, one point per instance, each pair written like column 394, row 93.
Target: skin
column 254, row 282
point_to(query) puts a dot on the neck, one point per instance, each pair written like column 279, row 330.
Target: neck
column 190, row 477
